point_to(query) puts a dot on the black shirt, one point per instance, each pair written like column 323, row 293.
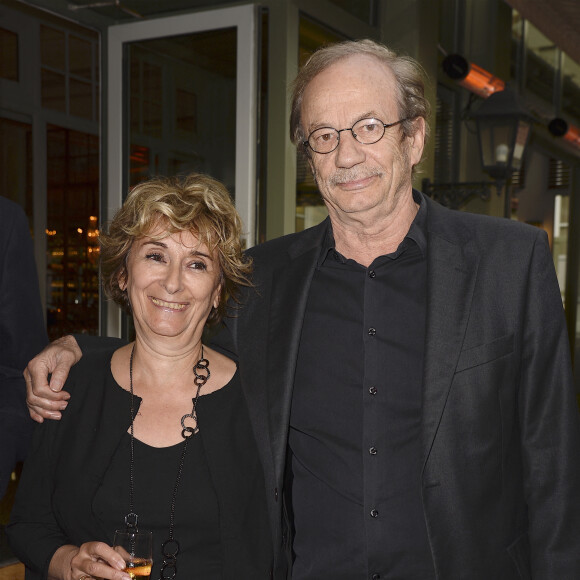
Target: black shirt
column 356, row 418
column 220, row 515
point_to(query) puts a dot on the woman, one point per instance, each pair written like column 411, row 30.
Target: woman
column 161, row 438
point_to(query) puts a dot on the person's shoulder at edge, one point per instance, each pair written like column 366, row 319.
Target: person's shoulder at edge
column 94, row 364
column 9, row 207
column 478, row 224
column 91, row 343
column 13, row 220
column 282, row 243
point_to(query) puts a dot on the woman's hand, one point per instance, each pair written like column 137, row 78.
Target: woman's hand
column 91, row 560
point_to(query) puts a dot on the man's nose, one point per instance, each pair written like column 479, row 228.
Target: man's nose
column 349, row 151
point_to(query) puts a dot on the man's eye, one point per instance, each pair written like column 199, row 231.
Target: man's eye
column 324, row 137
column 369, row 128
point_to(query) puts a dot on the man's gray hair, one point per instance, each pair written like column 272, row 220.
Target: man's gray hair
column 409, row 75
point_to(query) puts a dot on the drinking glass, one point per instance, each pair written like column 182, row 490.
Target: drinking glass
column 136, row 549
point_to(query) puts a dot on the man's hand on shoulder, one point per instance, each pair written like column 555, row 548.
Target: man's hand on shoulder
column 46, row 400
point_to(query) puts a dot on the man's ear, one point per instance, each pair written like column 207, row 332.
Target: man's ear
column 418, row 141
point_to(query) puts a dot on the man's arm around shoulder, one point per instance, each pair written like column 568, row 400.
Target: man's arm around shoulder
column 47, row 372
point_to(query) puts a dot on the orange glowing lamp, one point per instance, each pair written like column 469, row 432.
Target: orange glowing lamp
column 471, row 76
column 560, row 128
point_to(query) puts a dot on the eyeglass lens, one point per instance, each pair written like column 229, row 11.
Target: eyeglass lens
column 366, row 131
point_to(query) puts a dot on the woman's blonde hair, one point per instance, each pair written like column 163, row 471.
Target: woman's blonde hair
column 193, row 203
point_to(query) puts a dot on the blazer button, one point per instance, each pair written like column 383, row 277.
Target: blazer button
column 374, row 513
column 373, row 450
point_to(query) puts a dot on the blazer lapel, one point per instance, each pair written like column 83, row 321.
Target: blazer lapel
column 451, row 274
column 290, row 288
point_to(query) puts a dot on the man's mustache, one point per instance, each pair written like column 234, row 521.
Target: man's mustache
column 347, row 175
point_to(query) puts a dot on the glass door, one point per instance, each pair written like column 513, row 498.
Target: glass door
column 182, row 97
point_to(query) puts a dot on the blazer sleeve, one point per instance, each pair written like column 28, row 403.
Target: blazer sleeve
column 550, row 428
column 33, row 532
column 22, row 327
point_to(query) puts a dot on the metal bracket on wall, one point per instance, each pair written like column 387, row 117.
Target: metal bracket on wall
column 456, row 195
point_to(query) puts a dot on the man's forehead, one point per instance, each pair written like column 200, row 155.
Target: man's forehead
column 354, row 88
column 363, row 66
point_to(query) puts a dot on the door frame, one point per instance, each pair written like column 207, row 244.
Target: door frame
column 243, row 18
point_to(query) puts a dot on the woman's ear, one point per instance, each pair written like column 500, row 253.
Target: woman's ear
column 217, row 295
column 122, row 280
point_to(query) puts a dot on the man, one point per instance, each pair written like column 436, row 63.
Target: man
column 22, row 333
column 406, row 367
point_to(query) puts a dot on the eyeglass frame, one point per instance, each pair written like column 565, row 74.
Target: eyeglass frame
column 306, row 144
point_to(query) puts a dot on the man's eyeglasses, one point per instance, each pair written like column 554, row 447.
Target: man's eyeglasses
column 366, row 131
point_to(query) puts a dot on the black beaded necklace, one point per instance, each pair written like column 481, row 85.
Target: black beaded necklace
column 169, row 548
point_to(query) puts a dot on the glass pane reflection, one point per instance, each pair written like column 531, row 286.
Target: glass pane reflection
column 183, row 106
column 8, row 55
column 72, row 232
column 80, row 57
column 52, row 48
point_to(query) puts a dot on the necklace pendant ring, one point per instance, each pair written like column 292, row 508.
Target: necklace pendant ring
column 188, row 432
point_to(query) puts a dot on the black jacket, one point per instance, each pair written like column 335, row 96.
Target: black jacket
column 500, row 425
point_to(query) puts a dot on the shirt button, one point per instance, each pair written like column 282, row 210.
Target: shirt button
column 372, row 274
column 374, row 513
column 372, row 331
column 373, row 390
column 376, row 577
column 373, row 450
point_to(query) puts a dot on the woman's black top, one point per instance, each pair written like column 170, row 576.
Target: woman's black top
column 197, row 525
column 75, row 484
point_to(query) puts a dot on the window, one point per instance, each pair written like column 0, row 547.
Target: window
column 571, row 87
column 558, row 174
column 8, row 55
column 444, row 137
column 68, row 73
column 72, row 232
column 365, row 10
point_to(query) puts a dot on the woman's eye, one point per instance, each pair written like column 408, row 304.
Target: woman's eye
column 198, row 266
column 154, row 256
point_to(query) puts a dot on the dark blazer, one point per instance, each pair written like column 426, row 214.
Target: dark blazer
column 500, row 425
column 22, row 334
column 22, row 328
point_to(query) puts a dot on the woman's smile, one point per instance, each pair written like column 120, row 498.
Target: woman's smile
column 173, row 306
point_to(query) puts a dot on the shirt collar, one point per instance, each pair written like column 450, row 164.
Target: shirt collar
column 417, row 232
